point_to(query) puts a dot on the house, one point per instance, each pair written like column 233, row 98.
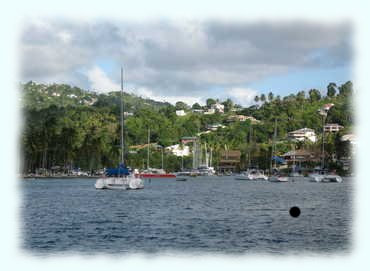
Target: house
column 210, row 111
column 128, row 114
column 214, row 127
column 180, row 113
column 179, row 150
column 332, row 127
column 347, row 161
column 229, row 161
column 300, row 156
column 199, row 111
column 242, row 118
column 303, row 134
column 188, row 139
column 218, row 107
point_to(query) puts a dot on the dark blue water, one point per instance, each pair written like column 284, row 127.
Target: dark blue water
column 219, row 215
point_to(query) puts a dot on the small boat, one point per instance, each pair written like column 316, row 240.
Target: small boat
column 323, row 177
column 278, row 179
column 181, row 179
column 251, row 175
column 154, row 173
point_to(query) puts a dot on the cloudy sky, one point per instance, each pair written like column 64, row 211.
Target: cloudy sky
column 187, row 60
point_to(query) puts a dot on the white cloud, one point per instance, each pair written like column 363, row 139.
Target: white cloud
column 242, row 96
column 147, row 93
column 99, row 81
column 64, row 36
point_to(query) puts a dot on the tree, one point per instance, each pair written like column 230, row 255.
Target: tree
column 301, row 95
column 181, row 106
column 256, row 98
column 263, row 98
column 332, row 89
column 346, row 89
column 210, row 102
column 228, row 105
column 314, row 95
column 196, row 106
column 270, row 96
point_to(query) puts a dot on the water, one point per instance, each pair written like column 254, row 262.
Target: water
column 201, row 215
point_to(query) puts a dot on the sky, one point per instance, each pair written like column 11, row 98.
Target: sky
column 187, row 60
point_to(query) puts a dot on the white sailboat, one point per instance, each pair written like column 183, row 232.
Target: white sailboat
column 276, row 177
column 321, row 175
column 121, row 178
column 252, row 174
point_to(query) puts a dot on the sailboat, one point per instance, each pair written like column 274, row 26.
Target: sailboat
column 320, row 174
column 149, row 173
column 252, row 174
column 120, row 178
column 276, row 177
column 205, row 169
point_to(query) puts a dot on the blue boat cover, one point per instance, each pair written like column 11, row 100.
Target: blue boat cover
column 116, row 172
column 278, row 159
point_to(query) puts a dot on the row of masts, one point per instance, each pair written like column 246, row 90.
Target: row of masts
column 198, row 159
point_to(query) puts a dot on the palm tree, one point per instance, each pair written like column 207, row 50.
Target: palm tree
column 270, row 96
column 256, row 98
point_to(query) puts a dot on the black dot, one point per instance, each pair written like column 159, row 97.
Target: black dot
column 295, row 211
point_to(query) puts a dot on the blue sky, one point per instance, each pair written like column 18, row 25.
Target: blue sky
column 188, row 60
column 303, row 79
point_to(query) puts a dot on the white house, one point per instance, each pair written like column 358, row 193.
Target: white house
column 303, row 134
column 332, row 127
column 178, row 150
column 210, row 111
column 180, row 113
column 214, row 127
column 218, row 107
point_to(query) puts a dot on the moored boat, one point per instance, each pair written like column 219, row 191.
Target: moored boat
column 120, row 178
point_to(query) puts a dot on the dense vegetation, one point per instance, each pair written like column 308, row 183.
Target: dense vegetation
column 68, row 127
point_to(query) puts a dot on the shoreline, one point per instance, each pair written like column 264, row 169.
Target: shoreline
column 57, row 177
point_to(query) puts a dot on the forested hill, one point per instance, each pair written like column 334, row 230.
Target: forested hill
column 69, row 127
column 39, row 96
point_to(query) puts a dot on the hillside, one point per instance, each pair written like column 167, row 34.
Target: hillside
column 69, row 127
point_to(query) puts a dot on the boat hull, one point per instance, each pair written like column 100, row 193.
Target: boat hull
column 119, row 183
column 278, row 179
column 325, row 178
column 154, row 175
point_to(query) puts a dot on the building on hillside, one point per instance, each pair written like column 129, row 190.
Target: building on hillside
column 199, row 111
column 218, row 107
column 332, row 127
column 214, row 127
column 210, row 111
column 347, row 161
column 188, row 139
column 128, row 114
column 180, row 113
column 303, row 134
column 179, row 150
column 229, row 161
column 242, row 118
column 300, row 156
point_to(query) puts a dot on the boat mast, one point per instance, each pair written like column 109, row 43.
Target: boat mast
column 122, row 119
column 274, row 142
column 323, row 143
column 147, row 161
column 249, row 145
